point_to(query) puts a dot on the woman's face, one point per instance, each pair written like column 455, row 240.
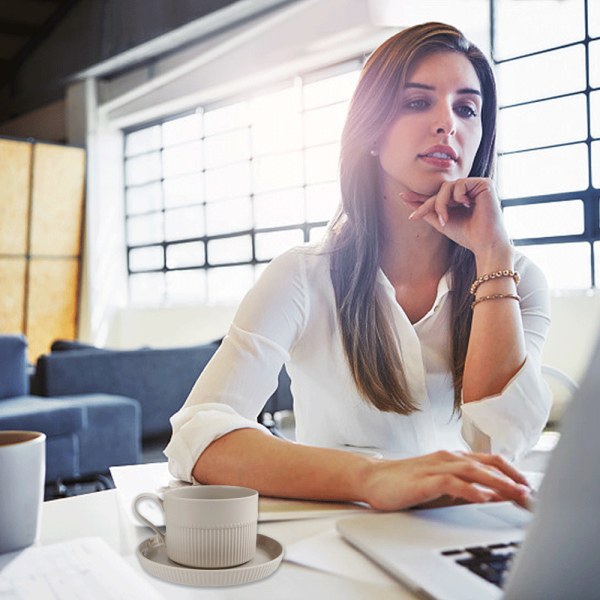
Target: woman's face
column 437, row 133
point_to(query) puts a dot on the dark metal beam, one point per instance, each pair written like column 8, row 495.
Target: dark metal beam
column 43, row 31
column 17, row 28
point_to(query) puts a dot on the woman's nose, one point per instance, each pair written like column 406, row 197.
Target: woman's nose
column 444, row 123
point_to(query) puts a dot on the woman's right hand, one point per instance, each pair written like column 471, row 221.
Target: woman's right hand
column 452, row 476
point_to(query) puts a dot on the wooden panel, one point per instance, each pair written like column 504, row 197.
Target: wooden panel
column 57, row 207
column 52, row 302
column 12, row 298
column 15, row 165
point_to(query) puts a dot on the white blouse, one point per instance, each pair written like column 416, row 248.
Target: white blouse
column 289, row 317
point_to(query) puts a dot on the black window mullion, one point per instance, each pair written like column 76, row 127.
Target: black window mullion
column 304, row 226
column 589, row 196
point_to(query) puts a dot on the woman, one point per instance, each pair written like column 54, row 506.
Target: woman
column 404, row 331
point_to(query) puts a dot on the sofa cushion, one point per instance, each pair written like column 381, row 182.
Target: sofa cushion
column 85, row 434
column 49, row 415
column 62, row 457
column 13, row 366
column 112, row 432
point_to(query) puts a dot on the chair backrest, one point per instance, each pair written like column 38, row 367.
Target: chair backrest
column 571, row 340
column 563, row 387
column 574, row 331
column 13, row 366
column 159, row 379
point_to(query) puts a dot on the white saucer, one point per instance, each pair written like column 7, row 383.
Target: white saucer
column 152, row 555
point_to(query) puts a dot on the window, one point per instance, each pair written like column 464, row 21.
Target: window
column 213, row 195
column 547, row 59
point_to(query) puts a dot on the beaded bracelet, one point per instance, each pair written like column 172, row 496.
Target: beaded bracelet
column 495, row 275
column 495, row 297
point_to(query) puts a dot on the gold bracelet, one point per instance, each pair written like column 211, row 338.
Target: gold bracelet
column 495, row 297
column 495, row 275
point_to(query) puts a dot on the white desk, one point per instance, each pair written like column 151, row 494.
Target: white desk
column 99, row 514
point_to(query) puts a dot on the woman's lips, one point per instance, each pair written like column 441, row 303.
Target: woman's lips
column 441, row 156
column 438, row 160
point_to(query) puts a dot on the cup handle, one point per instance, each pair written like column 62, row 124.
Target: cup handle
column 159, row 502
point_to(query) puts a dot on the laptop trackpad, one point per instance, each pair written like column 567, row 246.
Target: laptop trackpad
column 508, row 513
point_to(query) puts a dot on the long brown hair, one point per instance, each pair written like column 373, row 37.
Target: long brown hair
column 370, row 346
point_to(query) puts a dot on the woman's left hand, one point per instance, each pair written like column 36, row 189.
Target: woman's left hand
column 465, row 210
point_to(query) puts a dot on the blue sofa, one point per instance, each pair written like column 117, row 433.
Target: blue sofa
column 86, row 433
column 160, row 379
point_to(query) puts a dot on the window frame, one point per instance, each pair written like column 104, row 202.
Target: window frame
column 305, row 226
column 589, row 196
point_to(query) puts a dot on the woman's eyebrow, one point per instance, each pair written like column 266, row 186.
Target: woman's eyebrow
column 423, row 86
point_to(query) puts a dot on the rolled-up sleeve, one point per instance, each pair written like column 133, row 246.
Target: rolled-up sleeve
column 511, row 422
column 243, row 373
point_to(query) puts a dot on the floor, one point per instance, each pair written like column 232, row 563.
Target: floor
column 152, row 450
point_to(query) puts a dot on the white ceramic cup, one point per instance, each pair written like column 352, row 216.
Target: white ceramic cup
column 22, row 474
column 208, row 526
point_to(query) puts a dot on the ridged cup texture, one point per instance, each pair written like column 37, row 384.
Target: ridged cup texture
column 212, row 547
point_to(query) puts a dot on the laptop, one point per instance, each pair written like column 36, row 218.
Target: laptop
column 498, row 550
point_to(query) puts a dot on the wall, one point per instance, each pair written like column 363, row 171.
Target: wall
column 46, row 123
column 40, row 240
column 162, row 327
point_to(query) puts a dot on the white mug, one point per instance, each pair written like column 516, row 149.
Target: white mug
column 22, row 474
column 208, row 526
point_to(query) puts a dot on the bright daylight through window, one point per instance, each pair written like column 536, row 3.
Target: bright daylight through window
column 548, row 66
column 213, row 195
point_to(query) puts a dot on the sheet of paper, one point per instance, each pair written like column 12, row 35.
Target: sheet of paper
column 85, row 568
column 154, row 477
column 328, row 552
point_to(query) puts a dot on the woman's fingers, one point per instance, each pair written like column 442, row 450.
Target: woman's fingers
column 462, row 193
column 475, row 472
column 502, row 465
column 449, row 195
column 447, row 484
column 442, row 199
column 421, row 205
column 492, row 472
column 442, row 477
column 412, row 197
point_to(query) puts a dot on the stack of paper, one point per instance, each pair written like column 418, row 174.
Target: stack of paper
column 84, row 568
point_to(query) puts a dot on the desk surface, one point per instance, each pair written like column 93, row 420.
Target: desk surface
column 100, row 515
column 353, row 578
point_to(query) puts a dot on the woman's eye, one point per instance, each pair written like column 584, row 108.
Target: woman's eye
column 417, row 104
column 466, row 111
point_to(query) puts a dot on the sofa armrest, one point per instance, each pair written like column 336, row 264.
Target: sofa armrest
column 86, row 434
column 13, row 366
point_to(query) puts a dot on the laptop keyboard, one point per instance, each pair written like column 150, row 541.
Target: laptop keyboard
column 490, row 562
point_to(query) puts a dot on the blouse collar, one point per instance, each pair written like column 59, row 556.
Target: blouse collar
column 444, row 286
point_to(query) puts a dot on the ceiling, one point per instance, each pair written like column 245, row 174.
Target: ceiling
column 24, row 24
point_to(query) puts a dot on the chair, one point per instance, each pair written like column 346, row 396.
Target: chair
column 563, row 387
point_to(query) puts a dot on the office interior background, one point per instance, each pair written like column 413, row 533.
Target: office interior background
column 211, row 131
